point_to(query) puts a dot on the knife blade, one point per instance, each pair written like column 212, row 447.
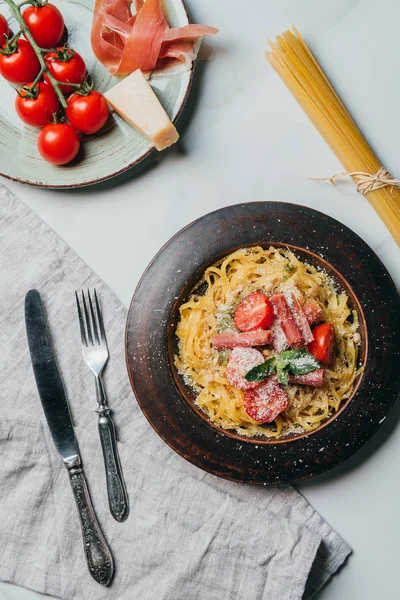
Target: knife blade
column 56, row 409
column 48, row 380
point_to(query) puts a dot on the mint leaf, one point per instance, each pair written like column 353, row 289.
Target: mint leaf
column 261, row 372
column 291, row 362
column 283, row 376
column 295, row 362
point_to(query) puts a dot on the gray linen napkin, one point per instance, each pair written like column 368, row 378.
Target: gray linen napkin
column 189, row 536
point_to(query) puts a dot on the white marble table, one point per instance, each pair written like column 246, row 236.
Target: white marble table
column 248, row 140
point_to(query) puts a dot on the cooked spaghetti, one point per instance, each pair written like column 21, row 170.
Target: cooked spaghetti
column 299, row 70
column 210, row 310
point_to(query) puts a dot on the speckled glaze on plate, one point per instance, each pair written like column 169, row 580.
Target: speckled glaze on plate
column 117, row 147
column 150, row 342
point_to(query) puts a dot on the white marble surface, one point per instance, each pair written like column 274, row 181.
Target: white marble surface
column 248, row 140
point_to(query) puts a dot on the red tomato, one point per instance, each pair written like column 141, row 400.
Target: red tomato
column 58, row 143
column 266, row 402
column 66, row 65
column 22, row 65
column 36, row 109
column 87, row 113
column 45, row 23
column 241, row 361
column 323, row 345
column 4, row 30
column 254, row 312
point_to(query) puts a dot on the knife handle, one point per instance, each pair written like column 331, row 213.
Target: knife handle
column 98, row 555
column 116, row 489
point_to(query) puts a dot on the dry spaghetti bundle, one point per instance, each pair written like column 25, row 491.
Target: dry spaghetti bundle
column 297, row 67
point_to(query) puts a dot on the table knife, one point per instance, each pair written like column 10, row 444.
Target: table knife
column 55, row 405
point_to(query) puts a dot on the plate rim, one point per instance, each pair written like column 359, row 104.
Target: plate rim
column 388, row 406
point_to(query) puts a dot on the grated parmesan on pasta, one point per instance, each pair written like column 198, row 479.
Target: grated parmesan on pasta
column 227, row 283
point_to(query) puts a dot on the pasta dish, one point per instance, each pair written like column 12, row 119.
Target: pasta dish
column 268, row 343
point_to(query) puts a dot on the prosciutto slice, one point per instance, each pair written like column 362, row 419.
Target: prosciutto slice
column 314, row 378
column 313, row 312
column 287, row 321
column 124, row 42
column 231, row 339
column 299, row 317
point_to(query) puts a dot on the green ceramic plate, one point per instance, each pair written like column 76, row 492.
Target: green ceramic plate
column 106, row 154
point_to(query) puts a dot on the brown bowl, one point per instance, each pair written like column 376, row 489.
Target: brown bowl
column 304, row 255
column 150, row 342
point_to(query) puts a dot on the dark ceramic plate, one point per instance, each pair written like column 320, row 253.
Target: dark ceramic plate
column 151, row 343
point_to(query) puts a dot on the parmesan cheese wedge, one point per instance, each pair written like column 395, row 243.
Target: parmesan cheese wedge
column 134, row 100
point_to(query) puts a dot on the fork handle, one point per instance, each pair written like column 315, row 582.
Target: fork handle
column 117, row 495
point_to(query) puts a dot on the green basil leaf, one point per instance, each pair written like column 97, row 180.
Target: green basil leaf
column 261, row 372
column 289, row 355
column 283, row 376
column 298, row 362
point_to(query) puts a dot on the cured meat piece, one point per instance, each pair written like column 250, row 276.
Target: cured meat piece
column 266, row 402
column 279, row 340
column 180, row 48
column 112, row 22
column 314, row 378
column 287, row 321
column 144, row 42
column 124, row 42
column 241, row 361
column 299, row 317
column 313, row 311
column 231, row 339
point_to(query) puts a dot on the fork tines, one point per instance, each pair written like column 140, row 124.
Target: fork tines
column 90, row 318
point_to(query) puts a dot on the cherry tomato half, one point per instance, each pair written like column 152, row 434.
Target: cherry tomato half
column 37, row 109
column 254, row 312
column 4, row 29
column 266, row 402
column 87, row 113
column 323, row 344
column 22, row 65
column 66, row 65
column 58, row 143
column 45, row 23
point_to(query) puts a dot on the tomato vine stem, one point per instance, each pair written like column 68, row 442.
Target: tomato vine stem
column 15, row 8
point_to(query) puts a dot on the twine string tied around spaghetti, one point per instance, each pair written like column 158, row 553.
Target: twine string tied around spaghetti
column 365, row 182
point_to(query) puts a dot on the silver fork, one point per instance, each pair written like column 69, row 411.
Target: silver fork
column 95, row 355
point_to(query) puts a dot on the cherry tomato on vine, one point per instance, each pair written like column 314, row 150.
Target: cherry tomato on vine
column 66, row 65
column 21, row 65
column 35, row 105
column 4, row 29
column 87, row 113
column 45, row 23
column 58, row 143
